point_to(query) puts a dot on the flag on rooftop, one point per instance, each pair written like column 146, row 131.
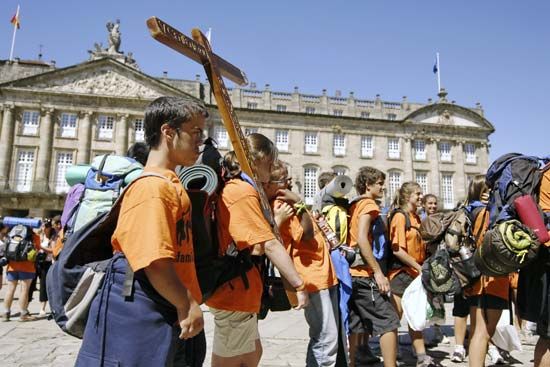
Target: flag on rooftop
column 15, row 19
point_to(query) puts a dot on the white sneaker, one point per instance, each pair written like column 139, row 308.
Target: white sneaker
column 445, row 340
column 495, row 356
column 459, row 355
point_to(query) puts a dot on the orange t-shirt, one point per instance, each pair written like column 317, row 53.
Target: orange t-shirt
column 311, row 258
column 410, row 241
column 25, row 266
column 358, row 209
column 495, row 286
column 240, row 220
column 155, row 223
column 544, row 195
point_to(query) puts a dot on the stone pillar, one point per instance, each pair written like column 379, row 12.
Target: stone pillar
column 266, row 97
column 435, row 177
column 84, row 138
column 6, row 144
column 131, row 133
column 459, row 177
column 121, row 137
column 44, row 152
column 407, row 160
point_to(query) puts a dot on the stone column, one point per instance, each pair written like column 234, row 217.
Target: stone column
column 44, row 152
column 407, row 160
column 435, row 177
column 121, row 138
column 84, row 138
column 131, row 133
column 6, row 144
column 460, row 179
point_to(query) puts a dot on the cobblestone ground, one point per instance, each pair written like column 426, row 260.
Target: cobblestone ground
column 284, row 339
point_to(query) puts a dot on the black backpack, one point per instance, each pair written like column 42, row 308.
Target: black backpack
column 19, row 244
column 204, row 182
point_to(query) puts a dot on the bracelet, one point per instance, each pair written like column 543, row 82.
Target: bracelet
column 300, row 207
column 301, row 288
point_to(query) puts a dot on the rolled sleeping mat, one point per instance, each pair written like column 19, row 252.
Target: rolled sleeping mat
column 76, row 174
column 28, row 222
column 199, row 177
column 339, row 187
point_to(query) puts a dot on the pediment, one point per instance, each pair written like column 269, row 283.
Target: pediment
column 450, row 115
column 99, row 78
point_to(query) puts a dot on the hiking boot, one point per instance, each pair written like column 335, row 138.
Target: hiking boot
column 364, row 356
column 459, row 355
column 26, row 317
column 495, row 356
column 6, row 316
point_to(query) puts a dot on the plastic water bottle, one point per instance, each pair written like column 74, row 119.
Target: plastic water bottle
column 464, row 252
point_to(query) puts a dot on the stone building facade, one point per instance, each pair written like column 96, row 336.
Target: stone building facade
column 51, row 118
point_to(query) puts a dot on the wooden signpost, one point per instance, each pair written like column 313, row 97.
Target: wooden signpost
column 199, row 50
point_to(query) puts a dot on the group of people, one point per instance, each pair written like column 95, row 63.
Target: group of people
column 161, row 322
column 29, row 272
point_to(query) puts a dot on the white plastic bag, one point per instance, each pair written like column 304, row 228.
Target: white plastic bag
column 415, row 305
column 506, row 336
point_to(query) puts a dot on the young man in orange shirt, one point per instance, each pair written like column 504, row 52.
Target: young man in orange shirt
column 153, row 235
column 306, row 246
column 371, row 310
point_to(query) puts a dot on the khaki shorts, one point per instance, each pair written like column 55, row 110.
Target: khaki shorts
column 235, row 333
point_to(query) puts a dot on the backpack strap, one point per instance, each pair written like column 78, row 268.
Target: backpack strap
column 408, row 225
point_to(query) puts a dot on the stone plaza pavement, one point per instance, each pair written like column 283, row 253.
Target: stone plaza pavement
column 284, row 338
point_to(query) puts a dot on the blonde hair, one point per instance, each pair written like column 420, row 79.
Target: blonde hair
column 402, row 196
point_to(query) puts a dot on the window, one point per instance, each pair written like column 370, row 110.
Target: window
column 365, row 114
column 64, row 161
column 24, row 170
column 422, row 179
column 445, row 152
column 310, row 110
column 470, row 150
column 221, row 137
column 367, row 147
column 392, row 116
column 250, row 130
column 251, row 105
column 68, row 125
column 139, row 130
column 337, row 112
column 420, row 150
column 310, row 184
column 281, row 108
column 447, row 190
column 310, row 142
column 339, row 144
column 393, row 148
column 340, row 170
column 30, row 122
column 394, row 183
column 281, row 140
column 106, row 126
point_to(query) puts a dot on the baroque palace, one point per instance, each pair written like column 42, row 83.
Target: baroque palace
column 51, row 118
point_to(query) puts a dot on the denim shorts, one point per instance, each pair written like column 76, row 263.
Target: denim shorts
column 12, row 276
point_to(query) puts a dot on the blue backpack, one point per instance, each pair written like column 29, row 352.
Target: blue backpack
column 75, row 278
column 509, row 177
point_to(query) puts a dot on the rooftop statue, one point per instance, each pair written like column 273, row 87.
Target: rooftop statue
column 114, row 37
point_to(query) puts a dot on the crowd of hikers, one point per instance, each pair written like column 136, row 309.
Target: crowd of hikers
column 189, row 227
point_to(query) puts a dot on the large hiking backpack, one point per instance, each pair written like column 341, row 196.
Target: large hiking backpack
column 19, row 244
column 74, row 279
column 336, row 215
column 203, row 183
column 514, row 180
column 104, row 181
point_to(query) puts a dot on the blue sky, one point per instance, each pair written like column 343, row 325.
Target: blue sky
column 496, row 52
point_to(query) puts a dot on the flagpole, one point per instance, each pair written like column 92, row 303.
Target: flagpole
column 438, row 75
column 14, row 32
